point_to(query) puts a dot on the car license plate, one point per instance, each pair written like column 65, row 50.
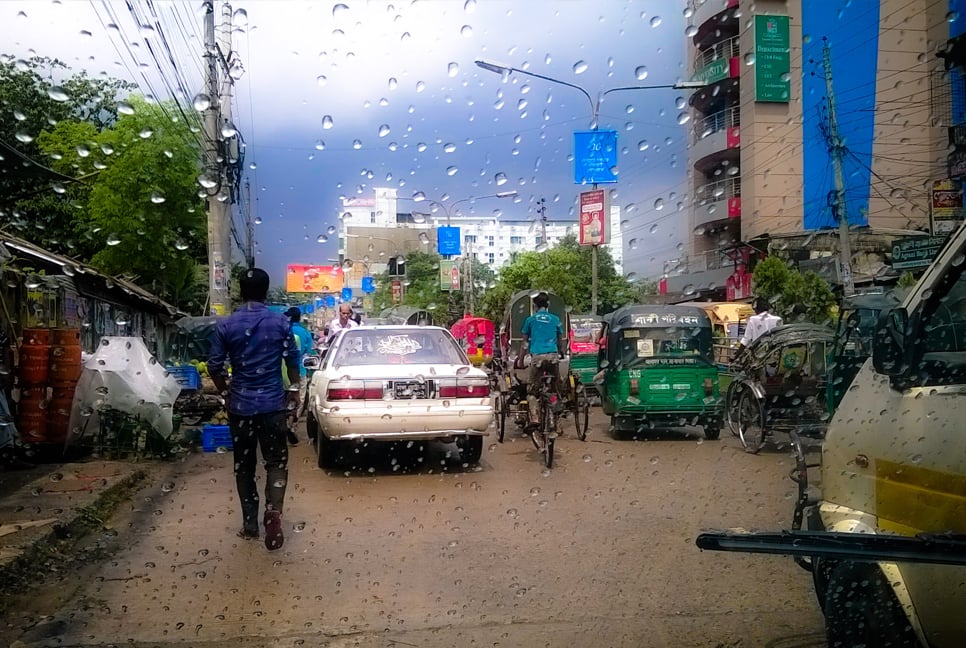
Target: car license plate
column 409, row 389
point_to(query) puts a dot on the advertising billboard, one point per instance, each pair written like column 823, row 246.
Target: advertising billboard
column 313, row 278
column 593, row 223
column 595, row 157
column 772, row 59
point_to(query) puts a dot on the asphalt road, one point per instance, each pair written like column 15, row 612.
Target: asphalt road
column 416, row 550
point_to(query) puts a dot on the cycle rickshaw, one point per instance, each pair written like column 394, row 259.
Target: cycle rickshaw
column 584, row 340
column 512, row 377
column 781, row 385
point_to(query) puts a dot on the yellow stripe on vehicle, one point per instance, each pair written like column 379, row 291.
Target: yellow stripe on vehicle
column 911, row 499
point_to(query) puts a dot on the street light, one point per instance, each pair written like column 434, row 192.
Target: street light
column 505, row 70
column 448, row 209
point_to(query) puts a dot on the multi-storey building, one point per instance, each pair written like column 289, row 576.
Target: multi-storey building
column 760, row 156
column 374, row 230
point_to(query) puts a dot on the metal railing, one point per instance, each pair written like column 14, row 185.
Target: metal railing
column 725, row 49
column 717, row 122
column 720, row 190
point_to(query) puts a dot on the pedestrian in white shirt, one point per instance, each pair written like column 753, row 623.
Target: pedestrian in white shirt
column 761, row 322
column 343, row 321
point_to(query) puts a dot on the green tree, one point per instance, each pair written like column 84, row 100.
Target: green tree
column 141, row 214
column 565, row 270
column 795, row 296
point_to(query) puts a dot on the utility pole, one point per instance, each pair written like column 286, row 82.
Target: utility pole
column 468, row 302
column 835, row 148
column 249, row 228
column 219, row 194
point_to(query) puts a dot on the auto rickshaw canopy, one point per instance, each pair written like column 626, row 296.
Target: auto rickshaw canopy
column 641, row 335
column 476, row 336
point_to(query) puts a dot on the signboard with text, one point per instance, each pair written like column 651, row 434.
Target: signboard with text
column 918, row 252
column 313, row 278
column 595, row 157
column 772, row 59
column 397, row 291
column 946, row 203
column 448, row 240
column 594, row 214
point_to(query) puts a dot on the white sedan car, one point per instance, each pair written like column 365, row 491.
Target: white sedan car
column 397, row 383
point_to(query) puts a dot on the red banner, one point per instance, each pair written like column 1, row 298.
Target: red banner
column 313, row 279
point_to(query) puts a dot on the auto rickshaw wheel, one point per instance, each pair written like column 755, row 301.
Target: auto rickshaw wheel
column 751, row 421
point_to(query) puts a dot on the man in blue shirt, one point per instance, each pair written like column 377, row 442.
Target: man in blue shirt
column 304, row 340
column 543, row 336
column 256, row 341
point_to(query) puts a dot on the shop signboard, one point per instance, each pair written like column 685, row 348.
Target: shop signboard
column 946, row 205
column 915, row 252
column 772, row 59
column 449, row 275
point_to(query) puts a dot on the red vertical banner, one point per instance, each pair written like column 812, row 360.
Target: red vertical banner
column 734, row 207
column 733, row 136
column 397, row 289
column 662, row 286
column 594, row 216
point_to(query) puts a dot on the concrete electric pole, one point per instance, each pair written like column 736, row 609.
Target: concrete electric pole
column 835, row 148
column 216, row 180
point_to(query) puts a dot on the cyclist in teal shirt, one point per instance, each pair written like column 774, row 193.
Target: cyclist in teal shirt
column 543, row 336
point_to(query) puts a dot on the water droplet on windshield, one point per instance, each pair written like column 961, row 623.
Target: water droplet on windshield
column 113, row 239
column 57, row 93
column 640, row 72
column 580, row 67
column 327, row 122
column 383, row 130
column 656, row 21
column 180, row 245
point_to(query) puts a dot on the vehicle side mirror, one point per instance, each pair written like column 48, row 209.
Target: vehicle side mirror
column 311, row 362
column 889, row 343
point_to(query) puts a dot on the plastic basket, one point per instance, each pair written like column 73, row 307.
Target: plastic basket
column 214, row 437
column 187, row 376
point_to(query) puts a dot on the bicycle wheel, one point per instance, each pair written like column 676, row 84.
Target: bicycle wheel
column 581, row 408
column 751, row 422
column 731, row 405
column 501, row 405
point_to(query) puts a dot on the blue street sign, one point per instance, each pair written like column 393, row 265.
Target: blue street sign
column 368, row 285
column 330, row 301
column 448, row 240
column 595, row 157
column 346, row 294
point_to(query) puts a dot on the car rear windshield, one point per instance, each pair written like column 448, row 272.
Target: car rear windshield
column 397, row 346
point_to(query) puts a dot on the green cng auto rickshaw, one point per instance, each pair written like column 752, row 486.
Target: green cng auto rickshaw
column 657, row 368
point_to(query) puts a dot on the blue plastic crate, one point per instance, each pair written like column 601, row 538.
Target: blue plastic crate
column 187, row 376
column 216, row 436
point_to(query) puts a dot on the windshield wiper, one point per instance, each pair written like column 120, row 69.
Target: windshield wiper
column 934, row 548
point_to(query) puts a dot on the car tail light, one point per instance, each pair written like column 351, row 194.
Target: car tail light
column 635, row 386
column 708, row 386
column 464, row 388
column 355, row 390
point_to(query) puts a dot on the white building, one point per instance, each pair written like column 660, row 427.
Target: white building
column 372, row 230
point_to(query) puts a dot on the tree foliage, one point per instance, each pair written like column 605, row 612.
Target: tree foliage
column 109, row 181
column 566, row 270
column 795, row 296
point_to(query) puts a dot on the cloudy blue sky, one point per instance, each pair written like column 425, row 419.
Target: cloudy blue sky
column 341, row 97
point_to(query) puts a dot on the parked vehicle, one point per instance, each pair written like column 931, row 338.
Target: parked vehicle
column 727, row 326
column 397, row 383
column 407, row 315
column 656, row 368
column 780, row 384
column 885, row 537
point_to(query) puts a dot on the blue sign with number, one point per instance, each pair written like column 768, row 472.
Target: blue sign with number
column 595, row 157
column 330, row 301
column 448, row 240
column 346, row 294
column 368, row 285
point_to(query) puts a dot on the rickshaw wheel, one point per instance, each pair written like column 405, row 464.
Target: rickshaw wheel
column 731, row 405
column 751, row 421
column 501, row 405
column 581, row 406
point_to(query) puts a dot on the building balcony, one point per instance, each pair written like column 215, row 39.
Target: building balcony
column 716, row 203
column 710, row 16
column 717, row 138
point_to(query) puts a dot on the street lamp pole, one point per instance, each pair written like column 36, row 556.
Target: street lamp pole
column 505, row 70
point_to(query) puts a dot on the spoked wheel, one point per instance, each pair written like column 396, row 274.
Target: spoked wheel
column 751, row 421
column 731, row 405
column 501, row 405
column 543, row 436
column 581, row 409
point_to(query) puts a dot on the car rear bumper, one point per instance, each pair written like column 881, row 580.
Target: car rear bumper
column 404, row 422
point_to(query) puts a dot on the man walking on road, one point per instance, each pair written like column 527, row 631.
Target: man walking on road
column 305, row 343
column 256, row 341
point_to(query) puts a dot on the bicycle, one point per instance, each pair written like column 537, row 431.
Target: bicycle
column 551, row 406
